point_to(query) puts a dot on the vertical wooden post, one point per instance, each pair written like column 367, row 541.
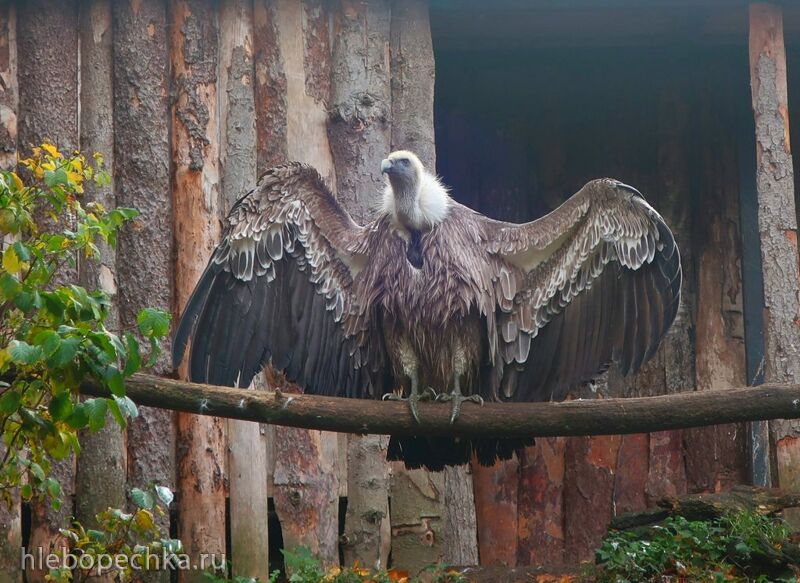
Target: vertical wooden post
column 101, row 468
column 247, row 443
column 291, row 121
column 142, row 180
column 360, row 136
column 777, row 226
column 721, row 461
column 48, row 109
column 496, row 496
column 428, row 529
column 10, row 515
column 195, row 153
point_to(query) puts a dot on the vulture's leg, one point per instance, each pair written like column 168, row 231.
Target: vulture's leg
column 458, row 397
column 415, row 396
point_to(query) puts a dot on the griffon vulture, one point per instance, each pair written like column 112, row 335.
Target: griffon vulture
column 431, row 299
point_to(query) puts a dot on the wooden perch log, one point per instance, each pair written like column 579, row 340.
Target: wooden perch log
column 583, row 417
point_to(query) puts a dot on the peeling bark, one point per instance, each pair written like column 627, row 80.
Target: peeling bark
column 100, row 475
column 360, row 107
column 270, row 87
column 777, row 222
column 195, row 151
column 460, row 523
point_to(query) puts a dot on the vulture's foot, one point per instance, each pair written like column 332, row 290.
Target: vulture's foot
column 457, row 398
column 415, row 397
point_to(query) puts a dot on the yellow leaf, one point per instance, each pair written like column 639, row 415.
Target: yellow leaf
column 49, row 166
column 17, row 181
column 11, row 262
column 144, row 519
column 51, row 149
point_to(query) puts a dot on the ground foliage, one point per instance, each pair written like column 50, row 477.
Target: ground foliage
column 742, row 547
column 123, row 544
column 53, row 334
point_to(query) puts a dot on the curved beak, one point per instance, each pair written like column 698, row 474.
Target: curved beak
column 386, row 166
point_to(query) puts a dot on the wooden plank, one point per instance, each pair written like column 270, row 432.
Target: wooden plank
column 10, row 509
column 142, row 178
column 247, row 442
column 777, row 225
column 496, row 494
column 360, row 136
column 418, row 497
column 101, row 473
column 196, row 207
column 716, row 457
column 48, row 110
column 540, row 528
column 305, row 488
column 753, row 293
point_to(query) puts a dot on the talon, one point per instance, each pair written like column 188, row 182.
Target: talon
column 429, row 394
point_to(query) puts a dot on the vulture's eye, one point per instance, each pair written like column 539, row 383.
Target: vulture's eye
column 404, row 161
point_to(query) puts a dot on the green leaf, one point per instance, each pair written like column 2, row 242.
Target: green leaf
column 49, row 340
column 142, row 499
column 153, row 323
column 52, row 487
column 134, row 361
column 126, row 406
column 96, row 411
column 9, row 402
column 65, row 353
column 79, row 417
column 113, row 378
column 26, row 491
column 23, row 353
column 165, row 495
column 22, row 251
column 55, row 177
column 60, row 406
column 9, row 286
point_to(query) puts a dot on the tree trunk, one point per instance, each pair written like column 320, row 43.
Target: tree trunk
column 270, row 87
column 195, row 151
column 496, row 498
column 101, row 468
column 460, row 523
column 360, row 136
column 777, row 226
column 247, row 442
column 142, row 179
column 48, row 109
column 10, row 510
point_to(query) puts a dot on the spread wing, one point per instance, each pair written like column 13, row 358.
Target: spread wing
column 594, row 282
column 278, row 289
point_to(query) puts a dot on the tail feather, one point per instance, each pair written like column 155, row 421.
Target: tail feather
column 434, row 453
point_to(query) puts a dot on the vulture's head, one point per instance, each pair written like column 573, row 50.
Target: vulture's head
column 414, row 197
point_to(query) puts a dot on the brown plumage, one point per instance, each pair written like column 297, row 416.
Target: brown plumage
column 430, row 294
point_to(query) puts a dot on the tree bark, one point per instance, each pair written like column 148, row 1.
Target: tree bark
column 569, row 418
column 100, row 474
column 10, row 509
column 777, row 226
column 142, row 179
column 360, row 136
column 496, row 498
column 195, row 151
column 48, row 110
column 247, row 442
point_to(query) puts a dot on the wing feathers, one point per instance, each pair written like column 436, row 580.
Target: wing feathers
column 605, row 287
column 278, row 291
